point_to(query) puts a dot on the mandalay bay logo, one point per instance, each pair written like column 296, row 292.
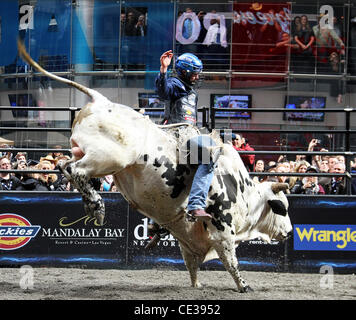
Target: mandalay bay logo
column 83, row 231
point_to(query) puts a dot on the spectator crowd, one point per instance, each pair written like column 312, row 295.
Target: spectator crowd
column 24, row 180
column 302, row 164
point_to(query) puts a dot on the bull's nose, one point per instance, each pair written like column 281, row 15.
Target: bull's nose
column 289, row 235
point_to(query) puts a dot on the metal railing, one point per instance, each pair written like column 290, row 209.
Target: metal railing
column 211, row 125
column 347, row 132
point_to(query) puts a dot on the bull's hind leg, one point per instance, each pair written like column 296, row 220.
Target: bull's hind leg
column 93, row 203
column 192, row 263
column 227, row 255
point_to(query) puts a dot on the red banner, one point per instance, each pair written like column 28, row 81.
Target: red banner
column 260, row 39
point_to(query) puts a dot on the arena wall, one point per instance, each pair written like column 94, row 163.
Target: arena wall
column 60, row 234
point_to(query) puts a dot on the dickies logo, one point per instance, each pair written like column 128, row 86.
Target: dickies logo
column 15, row 231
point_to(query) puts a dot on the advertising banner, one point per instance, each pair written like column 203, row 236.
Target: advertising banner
column 51, row 229
column 324, row 233
column 166, row 252
column 325, row 237
column 259, row 33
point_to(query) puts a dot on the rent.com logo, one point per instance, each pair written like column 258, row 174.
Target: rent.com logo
column 325, row 237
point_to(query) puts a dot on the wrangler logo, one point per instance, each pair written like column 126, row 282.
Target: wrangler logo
column 325, row 237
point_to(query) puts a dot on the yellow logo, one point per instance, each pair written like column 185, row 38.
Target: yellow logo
column 341, row 238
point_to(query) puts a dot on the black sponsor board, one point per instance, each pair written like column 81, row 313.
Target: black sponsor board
column 166, row 252
column 324, row 233
column 62, row 235
column 66, row 235
column 258, row 255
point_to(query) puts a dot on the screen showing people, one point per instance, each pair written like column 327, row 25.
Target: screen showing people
column 231, row 101
column 299, row 102
column 150, row 101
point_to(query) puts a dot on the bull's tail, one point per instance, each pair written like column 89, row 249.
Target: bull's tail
column 30, row 61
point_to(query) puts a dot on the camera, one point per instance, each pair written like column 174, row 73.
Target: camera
column 318, row 141
column 313, row 185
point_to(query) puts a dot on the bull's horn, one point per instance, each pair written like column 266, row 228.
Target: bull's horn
column 278, row 186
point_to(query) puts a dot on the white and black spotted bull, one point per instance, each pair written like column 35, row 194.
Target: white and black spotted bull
column 109, row 138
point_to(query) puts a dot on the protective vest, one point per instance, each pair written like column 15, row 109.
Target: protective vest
column 183, row 110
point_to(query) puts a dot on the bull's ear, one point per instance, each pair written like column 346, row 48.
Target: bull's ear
column 278, row 186
column 278, row 207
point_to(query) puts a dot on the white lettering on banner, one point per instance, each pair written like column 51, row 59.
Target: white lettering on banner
column 196, row 28
column 215, row 29
column 195, row 23
column 327, row 20
column 140, row 234
column 82, row 233
column 262, row 18
column 26, row 21
column 137, row 234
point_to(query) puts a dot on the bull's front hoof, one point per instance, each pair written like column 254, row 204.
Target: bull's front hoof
column 197, row 285
column 246, row 289
column 100, row 218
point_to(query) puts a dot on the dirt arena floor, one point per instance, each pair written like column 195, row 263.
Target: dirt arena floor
column 155, row 284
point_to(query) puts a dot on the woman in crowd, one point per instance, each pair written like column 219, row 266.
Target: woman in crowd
column 305, row 38
column 46, row 180
column 308, row 184
column 301, row 167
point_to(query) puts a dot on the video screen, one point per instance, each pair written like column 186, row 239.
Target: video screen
column 231, row 101
column 149, row 101
column 304, row 102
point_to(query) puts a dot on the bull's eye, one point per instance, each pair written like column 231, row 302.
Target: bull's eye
column 278, row 207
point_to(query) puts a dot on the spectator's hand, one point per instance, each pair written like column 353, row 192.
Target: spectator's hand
column 317, row 159
column 165, row 60
column 308, row 184
column 312, row 144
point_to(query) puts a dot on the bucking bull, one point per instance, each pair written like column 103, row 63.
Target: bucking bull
column 113, row 139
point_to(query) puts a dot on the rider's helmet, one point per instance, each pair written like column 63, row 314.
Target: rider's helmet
column 188, row 64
